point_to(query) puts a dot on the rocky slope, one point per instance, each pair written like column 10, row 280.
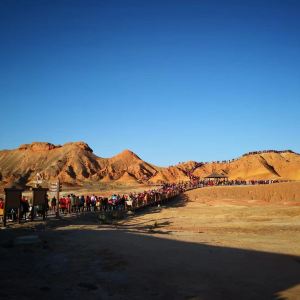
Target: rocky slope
column 270, row 165
column 72, row 163
column 75, row 163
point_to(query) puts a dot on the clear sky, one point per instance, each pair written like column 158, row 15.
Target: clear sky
column 170, row 80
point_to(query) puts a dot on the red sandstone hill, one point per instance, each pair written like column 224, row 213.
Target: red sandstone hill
column 75, row 163
column 72, row 163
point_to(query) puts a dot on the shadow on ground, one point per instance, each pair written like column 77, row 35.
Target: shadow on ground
column 110, row 263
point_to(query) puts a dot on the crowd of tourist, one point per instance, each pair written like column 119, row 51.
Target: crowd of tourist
column 235, row 182
column 131, row 201
column 268, row 151
column 199, row 164
column 68, row 204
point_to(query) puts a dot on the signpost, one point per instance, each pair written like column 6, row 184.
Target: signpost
column 13, row 197
column 39, row 179
column 39, row 198
column 56, row 188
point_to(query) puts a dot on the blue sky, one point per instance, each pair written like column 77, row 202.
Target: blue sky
column 170, row 80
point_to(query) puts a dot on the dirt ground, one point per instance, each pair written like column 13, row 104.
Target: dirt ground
column 197, row 246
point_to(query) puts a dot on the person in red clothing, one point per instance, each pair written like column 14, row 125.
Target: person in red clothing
column 1, row 203
column 68, row 204
column 62, row 204
column 88, row 203
column 1, row 208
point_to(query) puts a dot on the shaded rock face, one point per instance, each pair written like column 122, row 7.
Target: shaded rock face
column 75, row 163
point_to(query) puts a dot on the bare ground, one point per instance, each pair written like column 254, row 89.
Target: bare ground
column 197, row 247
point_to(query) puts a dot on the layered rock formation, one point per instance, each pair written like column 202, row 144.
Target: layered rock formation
column 75, row 164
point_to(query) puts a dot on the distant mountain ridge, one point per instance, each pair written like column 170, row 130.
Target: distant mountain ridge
column 75, row 163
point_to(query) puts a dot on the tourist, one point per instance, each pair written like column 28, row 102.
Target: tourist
column 88, row 203
column 53, row 204
column 82, row 202
column 68, row 204
column 24, row 207
column 73, row 202
column 93, row 202
column 63, row 204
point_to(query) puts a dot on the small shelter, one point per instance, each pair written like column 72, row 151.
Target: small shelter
column 13, row 197
column 214, row 176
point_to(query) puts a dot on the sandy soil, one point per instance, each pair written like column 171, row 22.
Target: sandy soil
column 196, row 247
